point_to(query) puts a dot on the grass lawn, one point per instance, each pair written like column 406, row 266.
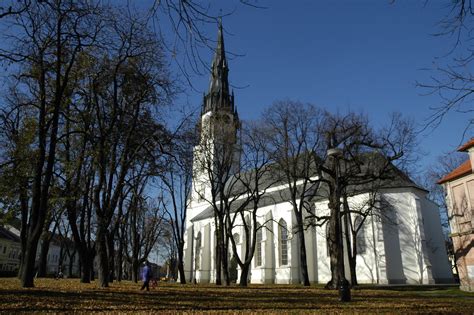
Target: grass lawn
column 68, row 295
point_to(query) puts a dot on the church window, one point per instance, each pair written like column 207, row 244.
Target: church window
column 283, row 238
column 237, row 238
column 361, row 244
column 258, row 249
column 197, row 259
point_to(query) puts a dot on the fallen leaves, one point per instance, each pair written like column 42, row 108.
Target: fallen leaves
column 69, row 295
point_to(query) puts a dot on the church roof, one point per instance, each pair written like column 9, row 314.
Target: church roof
column 466, row 146
column 463, row 169
column 392, row 177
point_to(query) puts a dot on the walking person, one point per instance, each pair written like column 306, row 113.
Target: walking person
column 146, row 276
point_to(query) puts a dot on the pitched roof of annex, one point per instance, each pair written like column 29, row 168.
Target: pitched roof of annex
column 464, row 169
column 466, row 146
column 460, row 171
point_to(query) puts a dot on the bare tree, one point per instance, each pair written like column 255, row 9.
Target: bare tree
column 216, row 161
column 359, row 160
column 177, row 182
column 146, row 226
column 125, row 89
column 453, row 79
column 252, row 182
column 43, row 42
column 294, row 135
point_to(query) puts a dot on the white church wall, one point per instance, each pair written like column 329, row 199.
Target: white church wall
column 396, row 250
column 188, row 253
column 407, row 260
column 269, row 252
column 368, row 258
column 284, row 273
column 368, row 263
column 323, row 263
column 311, row 254
column 441, row 267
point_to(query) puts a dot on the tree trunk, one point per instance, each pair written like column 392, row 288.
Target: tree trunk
column 244, row 275
column 218, row 264
column 182, row 277
column 301, row 238
column 120, row 262
column 28, row 268
column 135, row 270
column 111, row 254
column 43, row 259
column 352, row 265
column 103, row 261
column 352, row 255
column 71, row 263
column 85, row 265
column 333, row 243
column 225, row 265
column 24, row 222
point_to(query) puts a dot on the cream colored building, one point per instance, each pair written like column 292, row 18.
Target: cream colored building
column 459, row 187
column 9, row 251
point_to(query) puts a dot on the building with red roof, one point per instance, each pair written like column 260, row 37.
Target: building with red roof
column 459, row 187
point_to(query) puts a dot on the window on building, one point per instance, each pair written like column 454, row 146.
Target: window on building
column 237, row 238
column 4, row 250
column 283, row 240
column 258, row 246
column 361, row 244
column 461, row 211
column 197, row 258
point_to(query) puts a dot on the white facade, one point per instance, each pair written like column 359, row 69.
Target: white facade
column 405, row 245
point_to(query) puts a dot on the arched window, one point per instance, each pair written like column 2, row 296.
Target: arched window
column 258, row 246
column 197, row 257
column 361, row 244
column 236, row 238
column 283, row 242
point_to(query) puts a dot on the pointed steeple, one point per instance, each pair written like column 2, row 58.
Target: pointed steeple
column 218, row 96
column 219, row 81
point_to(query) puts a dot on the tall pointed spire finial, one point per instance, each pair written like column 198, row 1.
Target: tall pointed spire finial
column 219, row 97
column 219, row 82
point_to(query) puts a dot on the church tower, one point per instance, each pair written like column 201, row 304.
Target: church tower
column 217, row 150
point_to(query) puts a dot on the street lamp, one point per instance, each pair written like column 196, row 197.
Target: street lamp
column 343, row 285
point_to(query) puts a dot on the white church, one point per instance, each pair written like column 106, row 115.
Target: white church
column 408, row 248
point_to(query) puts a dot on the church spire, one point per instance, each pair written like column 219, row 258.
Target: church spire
column 219, row 81
column 218, row 96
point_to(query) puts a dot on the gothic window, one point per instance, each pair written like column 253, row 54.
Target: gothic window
column 361, row 244
column 237, row 238
column 258, row 249
column 283, row 240
column 197, row 258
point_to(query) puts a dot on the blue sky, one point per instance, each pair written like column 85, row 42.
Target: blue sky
column 359, row 55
